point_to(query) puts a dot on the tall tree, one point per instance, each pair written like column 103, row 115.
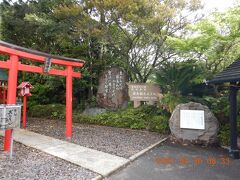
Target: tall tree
column 133, row 34
column 143, row 26
column 214, row 40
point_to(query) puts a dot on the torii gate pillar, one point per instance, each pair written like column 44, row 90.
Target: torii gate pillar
column 11, row 96
column 69, row 102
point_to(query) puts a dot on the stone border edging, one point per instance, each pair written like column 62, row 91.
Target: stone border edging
column 135, row 156
column 98, row 177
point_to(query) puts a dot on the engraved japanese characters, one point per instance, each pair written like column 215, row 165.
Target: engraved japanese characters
column 112, row 90
column 10, row 116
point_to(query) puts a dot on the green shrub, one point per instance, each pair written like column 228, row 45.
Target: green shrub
column 130, row 118
column 170, row 101
column 224, row 132
column 159, row 124
column 144, row 117
column 53, row 111
column 224, row 135
column 219, row 105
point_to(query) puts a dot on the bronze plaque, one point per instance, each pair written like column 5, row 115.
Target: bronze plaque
column 144, row 92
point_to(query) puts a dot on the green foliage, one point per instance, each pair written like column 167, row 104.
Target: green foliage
column 219, row 106
column 130, row 118
column 214, row 40
column 92, row 102
column 224, row 135
column 176, row 77
column 158, row 124
column 145, row 117
column 128, row 34
column 52, row 111
column 170, row 101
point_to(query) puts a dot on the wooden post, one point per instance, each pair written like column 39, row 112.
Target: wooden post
column 24, row 122
column 234, row 153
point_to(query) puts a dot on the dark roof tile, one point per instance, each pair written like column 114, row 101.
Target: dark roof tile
column 230, row 74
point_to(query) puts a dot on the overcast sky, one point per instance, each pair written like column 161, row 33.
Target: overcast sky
column 210, row 5
column 221, row 5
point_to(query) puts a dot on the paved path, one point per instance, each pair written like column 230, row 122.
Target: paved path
column 97, row 161
column 175, row 162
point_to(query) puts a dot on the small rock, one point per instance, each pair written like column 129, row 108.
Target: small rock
column 93, row 111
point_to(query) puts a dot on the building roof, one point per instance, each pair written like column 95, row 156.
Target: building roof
column 230, row 74
column 25, row 84
column 3, row 75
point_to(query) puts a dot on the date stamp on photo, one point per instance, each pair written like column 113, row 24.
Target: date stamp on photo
column 197, row 161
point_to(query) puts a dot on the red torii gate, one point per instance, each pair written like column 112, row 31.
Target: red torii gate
column 13, row 64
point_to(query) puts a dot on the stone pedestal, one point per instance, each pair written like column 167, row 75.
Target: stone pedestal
column 136, row 104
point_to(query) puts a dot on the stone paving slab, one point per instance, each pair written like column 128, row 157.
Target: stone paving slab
column 97, row 161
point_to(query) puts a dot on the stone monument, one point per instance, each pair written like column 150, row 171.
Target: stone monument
column 112, row 89
column 194, row 123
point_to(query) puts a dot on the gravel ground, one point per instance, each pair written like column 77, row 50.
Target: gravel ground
column 117, row 141
column 29, row 163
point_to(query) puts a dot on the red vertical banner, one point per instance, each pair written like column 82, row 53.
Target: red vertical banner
column 11, row 94
column 69, row 102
